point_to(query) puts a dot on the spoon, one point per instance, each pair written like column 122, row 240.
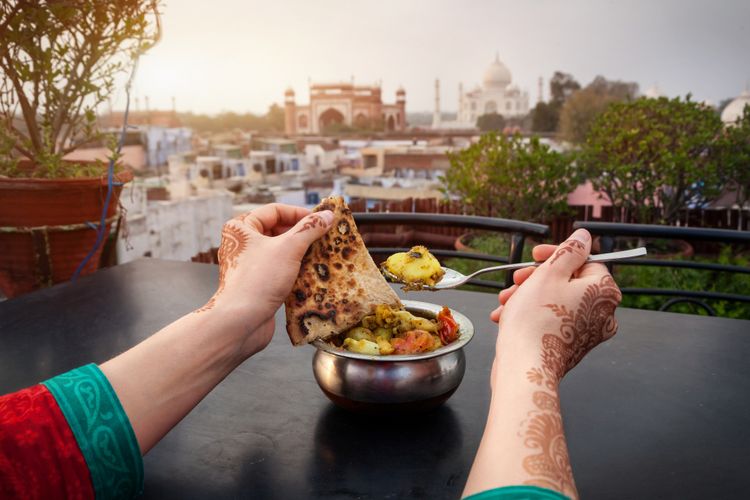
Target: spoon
column 452, row 278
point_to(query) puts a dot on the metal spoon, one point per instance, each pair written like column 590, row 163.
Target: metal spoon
column 452, row 278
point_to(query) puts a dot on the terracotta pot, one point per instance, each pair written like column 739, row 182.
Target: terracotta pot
column 50, row 252
column 463, row 243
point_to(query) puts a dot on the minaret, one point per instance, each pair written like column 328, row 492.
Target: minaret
column 540, row 97
column 436, row 114
column 401, row 103
column 290, row 122
column 460, row 101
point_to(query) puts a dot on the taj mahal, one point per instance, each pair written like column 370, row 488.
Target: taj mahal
column 497, row 94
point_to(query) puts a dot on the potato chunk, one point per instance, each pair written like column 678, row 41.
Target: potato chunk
column 362, row 346
column 415, row 267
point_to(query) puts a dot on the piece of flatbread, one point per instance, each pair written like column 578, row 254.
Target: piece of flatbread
column 338, row 283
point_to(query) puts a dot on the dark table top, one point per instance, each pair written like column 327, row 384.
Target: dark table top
column 661, row 411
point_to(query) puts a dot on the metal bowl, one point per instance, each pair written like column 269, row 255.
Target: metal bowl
column 394, row 383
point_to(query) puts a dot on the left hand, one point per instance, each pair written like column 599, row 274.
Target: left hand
column 259, row 259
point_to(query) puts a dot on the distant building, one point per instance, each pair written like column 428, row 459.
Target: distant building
column 734, row 109
column 162, row 133
column 167, row 119
column 653, row 92
column 344, row 104
column 495, row 95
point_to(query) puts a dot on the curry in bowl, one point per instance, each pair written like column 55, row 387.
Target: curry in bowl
column 392, row 331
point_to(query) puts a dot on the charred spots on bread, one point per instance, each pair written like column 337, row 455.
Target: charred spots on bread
column 326, row 205
column 350, row 267
column 320, row 295
column 338, row 265
column 300, row 295
column 343, row 227
column 322, row 271
column 337, row 240
column 346, row 252
column 330, row 315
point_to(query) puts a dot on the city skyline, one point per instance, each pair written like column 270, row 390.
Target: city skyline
column 241, row 56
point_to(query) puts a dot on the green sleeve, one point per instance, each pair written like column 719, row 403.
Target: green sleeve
column 518, row 493
column 102, row 430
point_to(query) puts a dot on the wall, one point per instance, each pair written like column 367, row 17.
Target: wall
column 175, row 229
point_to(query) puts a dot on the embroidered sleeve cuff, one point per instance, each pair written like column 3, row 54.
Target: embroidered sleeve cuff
column 518, row 493
column 102, row 430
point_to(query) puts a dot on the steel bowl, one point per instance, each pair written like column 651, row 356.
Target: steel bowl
column 395, row 383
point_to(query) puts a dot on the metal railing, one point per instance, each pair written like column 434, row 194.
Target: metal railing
column 518, row 230
column 609, row 231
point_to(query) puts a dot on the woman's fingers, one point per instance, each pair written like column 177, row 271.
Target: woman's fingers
column 569, row 256
column 522, row 275
column 495, row 315
column 543, row 252
column 505, row 294
column 268, row 217
column 308, row 229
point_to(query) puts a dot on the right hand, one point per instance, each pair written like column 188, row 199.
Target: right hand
column 560, row 310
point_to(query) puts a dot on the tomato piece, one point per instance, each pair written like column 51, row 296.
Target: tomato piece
column 412, row 342
column 447, row 326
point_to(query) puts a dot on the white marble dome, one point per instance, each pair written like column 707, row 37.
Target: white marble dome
column 497, row 75
column 734, row 108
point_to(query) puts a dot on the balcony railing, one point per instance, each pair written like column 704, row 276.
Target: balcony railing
column 609, row 231
column 518, row 231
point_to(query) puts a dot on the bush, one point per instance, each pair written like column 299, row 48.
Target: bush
column 688, row 279
column 655, row 153
column 511, row 177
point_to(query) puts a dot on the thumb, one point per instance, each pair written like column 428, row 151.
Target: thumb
column 570, row 254
column 306, row 231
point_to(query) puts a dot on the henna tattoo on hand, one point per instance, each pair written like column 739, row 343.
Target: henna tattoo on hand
column 314, row 221
column 580, row 331
column 233, row 243
column 567, row 247
column 535, row 376
column 550, row 468
column 593, row 322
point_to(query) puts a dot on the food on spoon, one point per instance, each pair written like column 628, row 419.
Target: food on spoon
column 415, row 268
column 338, row 283
column 391, row 331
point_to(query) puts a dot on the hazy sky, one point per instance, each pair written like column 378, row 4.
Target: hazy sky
column 240, row 55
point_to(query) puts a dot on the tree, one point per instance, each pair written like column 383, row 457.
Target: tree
column 655, row 153
column 509, row 176
column 275, row 118
column 582, row 107
column 490, row 121
column 561, row 87
column 546, row 116
column 735, row 151
column 58, row 62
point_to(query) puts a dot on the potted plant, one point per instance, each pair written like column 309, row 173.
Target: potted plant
column 58, row 62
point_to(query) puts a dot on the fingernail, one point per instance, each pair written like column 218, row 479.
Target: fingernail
column 581, row 235
column 327, row 217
